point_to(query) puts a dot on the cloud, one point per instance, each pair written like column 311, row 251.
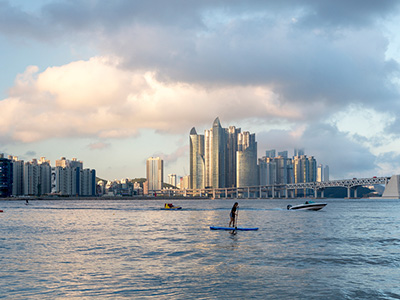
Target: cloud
column 179, row 153
column 329, row 146
column 95, row 98
column 99, row 146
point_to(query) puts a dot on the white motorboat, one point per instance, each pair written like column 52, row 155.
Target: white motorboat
column 308, row 205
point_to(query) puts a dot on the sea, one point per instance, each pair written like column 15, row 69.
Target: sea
column 131, row 249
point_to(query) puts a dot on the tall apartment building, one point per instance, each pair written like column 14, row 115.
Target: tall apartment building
column 275, row 170
column 320, row 173
column 217, row 155
column 326, row 173
column 231, row 158
column 6, row 176
column 44, row 176
column 246, row 159
column 69, row 178
column 155, row 173
column 31, row 178
column 172, row 180
column 87, row 182
column 197, row 160
column 18, row 176
column 37, row 177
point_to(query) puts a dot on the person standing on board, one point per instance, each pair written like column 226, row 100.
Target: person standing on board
column 233, row 214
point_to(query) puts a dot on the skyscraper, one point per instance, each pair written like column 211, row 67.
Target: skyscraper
column 172, row 180
column 18, row 176
column 215, row 157
column 218, row 152
column 326, row 173
column 6, row 176
column 246, row 160
column 197, row 160
column 231, row 159
column 320, row 174
column 155, row 173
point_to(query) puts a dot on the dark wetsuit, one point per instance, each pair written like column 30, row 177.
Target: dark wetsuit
column 233, row 212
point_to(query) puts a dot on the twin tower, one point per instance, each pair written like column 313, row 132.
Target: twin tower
column 222, row 158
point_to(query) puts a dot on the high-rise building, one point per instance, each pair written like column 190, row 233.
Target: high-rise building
column 312, row 169
column 270, row 153
column 6, row 176
column 18, row 176
column 267, row 171
column 246, row 160
column 320, row 174
column 231, row 159
column 282, row 174
column 87, row 182
column 218, row 158
column 172, row 180
column 300, row 168
column 44, row 176
column 197, row 160
column 32, row 178
column 155, row 173
column 326, row 173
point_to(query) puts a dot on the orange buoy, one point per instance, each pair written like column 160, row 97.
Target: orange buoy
column 1, row 210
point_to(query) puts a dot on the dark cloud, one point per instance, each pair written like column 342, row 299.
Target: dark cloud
column 347, row 159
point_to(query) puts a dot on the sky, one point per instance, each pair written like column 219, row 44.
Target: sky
column 113, row 83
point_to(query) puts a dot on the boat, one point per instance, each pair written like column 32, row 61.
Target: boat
column 308, row 205
column 170, row 206
column 233, row 228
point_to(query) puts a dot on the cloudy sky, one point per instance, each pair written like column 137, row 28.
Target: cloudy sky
column 115, row 82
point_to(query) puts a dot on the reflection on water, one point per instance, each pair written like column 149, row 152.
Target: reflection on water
column 132, row 249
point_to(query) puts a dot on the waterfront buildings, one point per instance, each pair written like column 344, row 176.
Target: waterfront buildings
column 154, row 174
column 222, row 157
column 37, row 177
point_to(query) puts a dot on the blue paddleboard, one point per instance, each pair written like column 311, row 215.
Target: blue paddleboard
column 232, row 228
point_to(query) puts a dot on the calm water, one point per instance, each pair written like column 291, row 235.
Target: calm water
column 134, row 250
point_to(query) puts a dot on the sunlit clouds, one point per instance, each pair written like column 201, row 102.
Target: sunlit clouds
column 97, row 98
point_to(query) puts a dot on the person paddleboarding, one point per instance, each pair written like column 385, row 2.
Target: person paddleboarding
column 233, row 214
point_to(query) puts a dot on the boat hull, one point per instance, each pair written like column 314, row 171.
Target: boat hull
column 310, row 206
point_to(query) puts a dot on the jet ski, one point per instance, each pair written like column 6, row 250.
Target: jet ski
column 170, row 206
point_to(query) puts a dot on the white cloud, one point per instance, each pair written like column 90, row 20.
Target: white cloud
column 96, row 98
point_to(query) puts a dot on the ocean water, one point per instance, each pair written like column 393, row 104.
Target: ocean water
column 130, row 249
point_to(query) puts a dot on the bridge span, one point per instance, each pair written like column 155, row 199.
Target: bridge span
column 289, row 190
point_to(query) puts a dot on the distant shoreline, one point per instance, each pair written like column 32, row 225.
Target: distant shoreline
column 103, row 198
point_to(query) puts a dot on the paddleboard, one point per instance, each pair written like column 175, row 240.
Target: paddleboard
column 232, row 228
column 172, row 208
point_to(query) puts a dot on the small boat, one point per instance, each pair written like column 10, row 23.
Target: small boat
column 170, row 206
column 308, row 205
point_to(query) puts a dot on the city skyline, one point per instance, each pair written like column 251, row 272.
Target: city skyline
column 115, row 84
